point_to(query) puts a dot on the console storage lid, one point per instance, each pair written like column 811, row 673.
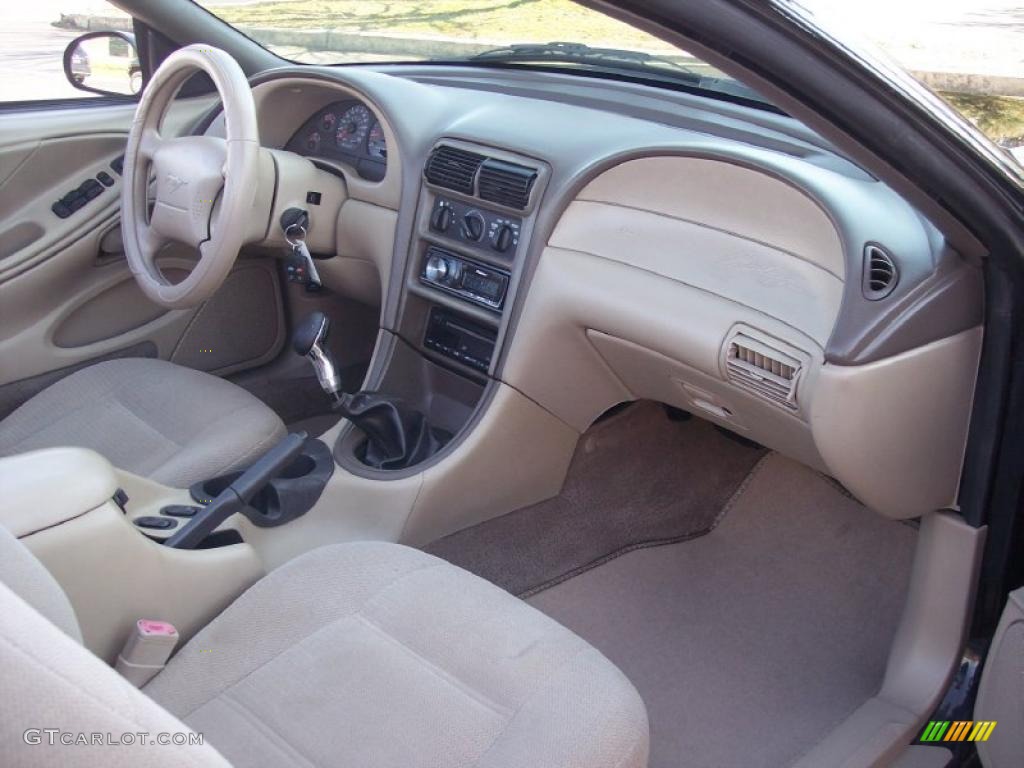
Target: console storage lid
column 50, row 486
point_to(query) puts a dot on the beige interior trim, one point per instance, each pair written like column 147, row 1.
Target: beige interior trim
column 45, row 488
column 57, row 502
column 659, row 261
column 39, row 157
column 797, row 292
column 283, row 104
column 924, row 654
column 894, row 431
column 113, row 576
column 477, row 481
column 366, row 242
column 730, row 198
column 1001, row 695
column 649, row 375
column 297, row 176
column 517, row 455
column 551, row 360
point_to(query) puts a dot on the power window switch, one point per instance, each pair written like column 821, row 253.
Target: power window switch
column 105, row 179
column 61, row 210
column 156, row 523
column 179, row 510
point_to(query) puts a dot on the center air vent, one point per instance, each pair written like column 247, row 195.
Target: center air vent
column 453, row 168
column 880, row 273
column 759, row 368
column 506, row 184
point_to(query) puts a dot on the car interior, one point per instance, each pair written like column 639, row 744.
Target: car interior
column 463, row 415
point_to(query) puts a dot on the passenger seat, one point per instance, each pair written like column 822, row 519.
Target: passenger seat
column 365, row 654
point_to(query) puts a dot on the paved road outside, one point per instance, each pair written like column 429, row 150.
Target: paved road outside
column 32, row 50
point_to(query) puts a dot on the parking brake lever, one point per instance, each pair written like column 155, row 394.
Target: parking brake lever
column 238, row 495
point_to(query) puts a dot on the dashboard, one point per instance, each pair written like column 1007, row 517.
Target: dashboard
column 346, row 131
column 587, row 243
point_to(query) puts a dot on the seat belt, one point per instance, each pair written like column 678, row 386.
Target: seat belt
column 146, row 651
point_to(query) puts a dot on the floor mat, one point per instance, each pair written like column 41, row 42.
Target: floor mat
column 751, row 643
column 637, row 478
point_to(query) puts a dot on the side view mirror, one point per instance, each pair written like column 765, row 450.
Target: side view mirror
column 104, row 62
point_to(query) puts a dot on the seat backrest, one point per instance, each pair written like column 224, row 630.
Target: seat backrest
column 55, row 690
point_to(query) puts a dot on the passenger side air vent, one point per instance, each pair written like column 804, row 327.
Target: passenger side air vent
column 506, row 183
column 880, row 273
column 453, row 168
column 759, row 368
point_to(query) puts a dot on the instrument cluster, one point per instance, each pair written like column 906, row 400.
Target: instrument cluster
column 346, row 131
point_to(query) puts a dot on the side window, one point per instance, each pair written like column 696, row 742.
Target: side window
column 37, row 32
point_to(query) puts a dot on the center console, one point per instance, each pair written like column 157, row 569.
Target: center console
column 475, row 214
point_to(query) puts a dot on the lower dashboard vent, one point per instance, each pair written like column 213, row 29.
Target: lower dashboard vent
column 453, row 168
column 506, row 184
column 880, row 273
column 759, row 368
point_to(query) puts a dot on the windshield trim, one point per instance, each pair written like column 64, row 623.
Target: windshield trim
column 592, row 71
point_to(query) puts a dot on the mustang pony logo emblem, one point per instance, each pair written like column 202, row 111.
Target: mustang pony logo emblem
column 174, row 183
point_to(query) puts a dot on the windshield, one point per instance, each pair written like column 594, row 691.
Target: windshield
column 967, row 51
column 544, row 33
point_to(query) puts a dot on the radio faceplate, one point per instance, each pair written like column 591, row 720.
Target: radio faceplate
column 467, row 279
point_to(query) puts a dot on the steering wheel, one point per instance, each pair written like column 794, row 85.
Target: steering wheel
column 205, row 186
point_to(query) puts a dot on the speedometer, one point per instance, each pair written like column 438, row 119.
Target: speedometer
column 353, row 127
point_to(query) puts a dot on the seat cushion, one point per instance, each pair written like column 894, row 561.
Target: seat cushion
column 172, row 424
column 375, row 654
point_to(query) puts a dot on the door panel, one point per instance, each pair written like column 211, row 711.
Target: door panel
column 1001, row 696
column 67, row 295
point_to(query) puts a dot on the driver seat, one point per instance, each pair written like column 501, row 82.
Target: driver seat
column 172, row 424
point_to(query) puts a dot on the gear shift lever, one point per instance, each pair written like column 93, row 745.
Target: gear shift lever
column 308, row 341
column 396, row 436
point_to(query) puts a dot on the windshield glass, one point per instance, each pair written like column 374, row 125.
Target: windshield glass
column 967, row 51
column 542, row 33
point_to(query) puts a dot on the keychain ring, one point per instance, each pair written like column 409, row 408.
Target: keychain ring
column 294, row 243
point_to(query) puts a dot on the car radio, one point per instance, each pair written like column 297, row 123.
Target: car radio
column 473, row 282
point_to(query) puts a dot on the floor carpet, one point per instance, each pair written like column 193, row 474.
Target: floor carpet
column 750, row 643
column 637, row 479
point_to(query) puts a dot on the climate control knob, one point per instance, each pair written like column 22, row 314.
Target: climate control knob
column 502, row 238
column 473, row 226
column 441, row 217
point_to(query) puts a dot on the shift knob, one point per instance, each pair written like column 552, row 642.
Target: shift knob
column 308, row 340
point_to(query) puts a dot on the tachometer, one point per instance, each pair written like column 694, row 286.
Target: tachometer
column 353, row 127
column 376, row 146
